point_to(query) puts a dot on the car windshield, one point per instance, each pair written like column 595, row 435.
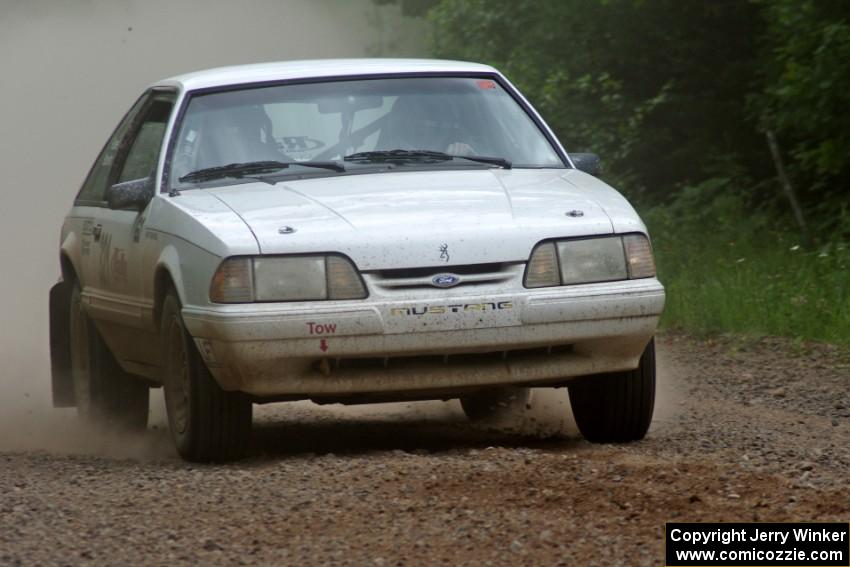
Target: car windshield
column 335, row 120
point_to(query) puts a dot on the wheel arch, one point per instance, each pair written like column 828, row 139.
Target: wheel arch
column 163, row 282
column 167, row 276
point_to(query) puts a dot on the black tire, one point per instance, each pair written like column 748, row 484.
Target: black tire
column 617, row 407
column 104, row 394
column 495, row 403
column 207, row 423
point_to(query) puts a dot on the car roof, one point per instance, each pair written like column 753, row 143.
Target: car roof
column 317, row 68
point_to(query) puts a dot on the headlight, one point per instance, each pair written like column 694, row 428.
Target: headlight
column 590, row 260
column 286, row 278
column 297, row 278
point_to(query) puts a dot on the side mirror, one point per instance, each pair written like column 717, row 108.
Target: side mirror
column 588, row 163
column 130, row 195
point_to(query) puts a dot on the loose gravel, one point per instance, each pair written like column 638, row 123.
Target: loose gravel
column 744, row 431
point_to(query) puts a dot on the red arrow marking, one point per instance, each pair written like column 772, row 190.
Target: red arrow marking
column 323, row 344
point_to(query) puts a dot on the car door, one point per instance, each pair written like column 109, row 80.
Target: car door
column 120, row 250
column 90, row 208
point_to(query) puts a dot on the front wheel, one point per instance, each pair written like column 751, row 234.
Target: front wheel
column 616, row 407
column 206, row 422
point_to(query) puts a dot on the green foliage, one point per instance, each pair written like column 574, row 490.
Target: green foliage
column 727, row 269
column 806, row 96
column 809, row 83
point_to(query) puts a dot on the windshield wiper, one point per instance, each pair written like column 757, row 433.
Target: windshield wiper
column 397, row 156
column 252, row 168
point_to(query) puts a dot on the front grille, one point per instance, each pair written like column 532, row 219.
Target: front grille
column 470, row 274
column 469, row 269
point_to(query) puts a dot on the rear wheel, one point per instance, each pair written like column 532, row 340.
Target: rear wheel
column 617, row 407
column 495, row 403
column 206, row 422
column 105, row 395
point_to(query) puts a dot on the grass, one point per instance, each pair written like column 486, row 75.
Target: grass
column 753, row 281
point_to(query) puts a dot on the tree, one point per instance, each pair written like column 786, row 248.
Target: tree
column 806, row 97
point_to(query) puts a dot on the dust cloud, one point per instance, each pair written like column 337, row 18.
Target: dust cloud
column 69, row 72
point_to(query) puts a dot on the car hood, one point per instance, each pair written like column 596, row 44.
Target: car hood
column 418, row 219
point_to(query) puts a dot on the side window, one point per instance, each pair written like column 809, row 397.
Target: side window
column 143, row 153
column 94, row 187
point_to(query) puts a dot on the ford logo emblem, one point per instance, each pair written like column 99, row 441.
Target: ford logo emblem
column 445, row 280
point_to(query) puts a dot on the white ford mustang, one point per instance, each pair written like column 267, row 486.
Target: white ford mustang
column 348, row 231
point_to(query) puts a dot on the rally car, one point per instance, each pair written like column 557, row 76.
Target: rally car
column 348, row 231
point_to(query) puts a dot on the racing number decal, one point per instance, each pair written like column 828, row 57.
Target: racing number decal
column 86, row 237
column 104, row 264
column 112, row 262
column 118, row 266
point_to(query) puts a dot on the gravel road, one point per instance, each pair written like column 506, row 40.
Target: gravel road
column 744, row 431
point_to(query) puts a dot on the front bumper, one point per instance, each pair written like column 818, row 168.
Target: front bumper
column 415, row 347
